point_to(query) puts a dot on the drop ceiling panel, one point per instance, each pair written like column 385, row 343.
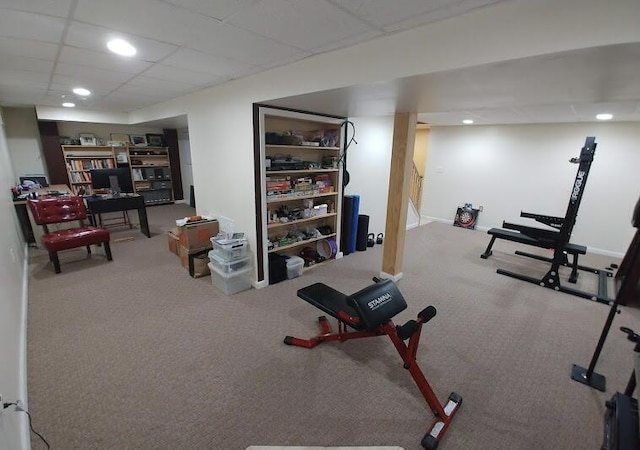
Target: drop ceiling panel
column 28, row 48
column 91, row 73
column 384, row 12
column 220, row 9
column 309, row 24
column 58, row 8
column 157, row 87
column 170, row 73
column 95, row 38
column 235, row 43
column 101, row 60
column 38, row 27
column 14, row 77
column 198, row 61
column 353, row 40
column 30, row 64
column 69, row 81
column 446, row 11
column 147, row 18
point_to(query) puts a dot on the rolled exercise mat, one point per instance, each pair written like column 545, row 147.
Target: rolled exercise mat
column 353, row 229
column 363, row 231
column 347, row 212
column 327, row 248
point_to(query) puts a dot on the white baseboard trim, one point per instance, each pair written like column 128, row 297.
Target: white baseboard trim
column 260, row 284
column 388, row 276
column 595, row 251
column 183, row 201
column 22, row 369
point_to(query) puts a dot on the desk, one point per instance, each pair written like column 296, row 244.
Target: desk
column 105, row 204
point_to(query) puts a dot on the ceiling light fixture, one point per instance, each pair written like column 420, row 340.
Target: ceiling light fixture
column 604, row 116
column 81, row 91
column 69, row 105
column 467, row 121
column 121, row 47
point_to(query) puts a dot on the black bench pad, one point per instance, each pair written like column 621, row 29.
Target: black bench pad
column 330, row 301
column 524, row 239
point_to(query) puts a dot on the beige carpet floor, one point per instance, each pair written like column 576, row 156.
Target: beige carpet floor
column 135, row 354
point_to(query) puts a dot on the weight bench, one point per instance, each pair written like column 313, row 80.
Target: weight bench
column 569, row 249
column 369, row 312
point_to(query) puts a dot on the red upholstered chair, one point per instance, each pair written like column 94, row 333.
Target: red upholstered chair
column 47, row 211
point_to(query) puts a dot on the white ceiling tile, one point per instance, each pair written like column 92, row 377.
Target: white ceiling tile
column 91, row 73
column 69, row 81
column 22, row 77
column 198, row 61
column 348, row 42
column 101, row 60
column 309, row 24
column 447, row 10
column 385, row 12
column 31, row 64
column 58, row 8
column 147, row 18
column 95, row 38
column 38, row 27
column 220, row 9
column 170, row 73
column 622, row 109
column 155, row 86
column 28, row 48
column 240, row 45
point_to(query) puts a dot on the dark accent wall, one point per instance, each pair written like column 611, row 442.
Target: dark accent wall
column 171, row 140
column 53, row 157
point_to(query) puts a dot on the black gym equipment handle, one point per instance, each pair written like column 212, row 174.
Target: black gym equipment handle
column 427, row 314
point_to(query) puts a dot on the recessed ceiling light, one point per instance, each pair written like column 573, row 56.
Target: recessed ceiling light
column 604, row 116
column 81, row 91
column 69, row 105
column 121, row 47
column 467, row 121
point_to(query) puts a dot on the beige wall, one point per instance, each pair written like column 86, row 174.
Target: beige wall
column 420, row 149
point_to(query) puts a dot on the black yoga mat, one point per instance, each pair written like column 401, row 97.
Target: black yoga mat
column 347, row 219
column 363, row 231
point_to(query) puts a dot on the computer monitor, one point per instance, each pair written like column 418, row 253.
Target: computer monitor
column 115, row 180
column 37, row 179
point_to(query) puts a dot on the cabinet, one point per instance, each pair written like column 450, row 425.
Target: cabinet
column 79, row 161
column 151, row 173
column 301, row 186
column 149, row 166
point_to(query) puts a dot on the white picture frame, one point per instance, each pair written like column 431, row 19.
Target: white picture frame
column 87, row 139
column 138, row 140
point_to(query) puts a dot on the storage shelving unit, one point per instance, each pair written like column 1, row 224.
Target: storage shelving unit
column 300, row 184
column 80, row 159
column 151, row 173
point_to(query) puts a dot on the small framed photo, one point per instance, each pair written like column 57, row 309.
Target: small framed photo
column 138, row 140
column 87, row 139
column 155, row 140
column 119, row 139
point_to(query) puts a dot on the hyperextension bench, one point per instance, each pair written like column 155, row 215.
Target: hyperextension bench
column 369, row 312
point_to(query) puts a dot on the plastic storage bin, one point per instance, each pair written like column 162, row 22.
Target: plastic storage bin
column 231, row 249
column 230, row 283
column 225, row 266
column 295, row 264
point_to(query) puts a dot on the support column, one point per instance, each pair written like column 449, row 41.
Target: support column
column 404, row 132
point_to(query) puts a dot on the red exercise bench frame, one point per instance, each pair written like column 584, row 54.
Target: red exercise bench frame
column 369, row 312
column 47, row 211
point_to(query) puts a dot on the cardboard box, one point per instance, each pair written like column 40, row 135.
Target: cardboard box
column 198, row 235
column 173, row 241
column 200, row 262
